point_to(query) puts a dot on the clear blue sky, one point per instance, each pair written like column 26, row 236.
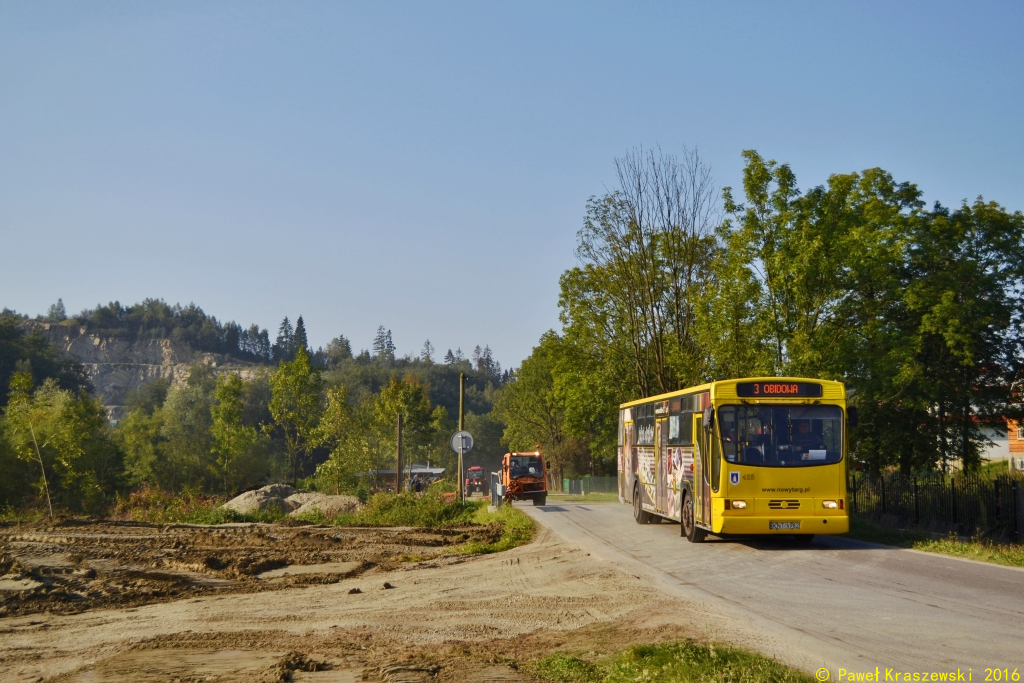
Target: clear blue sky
column 425, row 165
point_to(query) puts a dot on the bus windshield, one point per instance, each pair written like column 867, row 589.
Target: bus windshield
column 525, row 466
column 780, row 435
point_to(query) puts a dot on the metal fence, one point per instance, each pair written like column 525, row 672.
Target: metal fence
column 497, row 490
column 964, row 504
column 589, row 484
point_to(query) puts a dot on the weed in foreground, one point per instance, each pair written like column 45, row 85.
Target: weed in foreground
column 670, row 663
column 566, row 669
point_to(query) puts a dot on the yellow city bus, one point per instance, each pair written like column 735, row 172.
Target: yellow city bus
column 760, row 455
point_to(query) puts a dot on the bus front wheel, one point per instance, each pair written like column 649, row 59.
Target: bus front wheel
column 693, row 533
column 639, row 514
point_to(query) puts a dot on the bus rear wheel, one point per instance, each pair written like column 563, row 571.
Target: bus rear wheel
column 540, row 500
column 639, row 514
column 693, row 533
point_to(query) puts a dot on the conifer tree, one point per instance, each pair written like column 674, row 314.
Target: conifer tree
column 284, row 347
column 299, row 339
column 427, row 354
column 383, row 347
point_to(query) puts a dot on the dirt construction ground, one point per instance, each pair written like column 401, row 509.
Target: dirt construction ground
column 111, row 602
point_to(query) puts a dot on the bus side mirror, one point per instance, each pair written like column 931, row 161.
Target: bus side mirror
column 852, row 416
column 547, row 465
column 709, row 418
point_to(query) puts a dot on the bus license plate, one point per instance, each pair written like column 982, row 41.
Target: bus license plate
column 783, row 525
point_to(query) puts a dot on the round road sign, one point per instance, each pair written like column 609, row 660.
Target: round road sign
column 462, row 442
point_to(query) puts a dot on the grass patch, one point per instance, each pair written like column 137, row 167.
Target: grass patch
column 429, row 510
column 10, row 515
column 516, row 529
column 983, row 549
column 669, row 663
column 566, row 669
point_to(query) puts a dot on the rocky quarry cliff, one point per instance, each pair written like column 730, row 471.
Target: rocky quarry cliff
column 117, row 366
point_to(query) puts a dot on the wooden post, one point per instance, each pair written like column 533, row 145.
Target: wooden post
column 462, row 418
column 398, row 469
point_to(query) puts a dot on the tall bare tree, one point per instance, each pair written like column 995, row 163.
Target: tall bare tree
column 647, row 246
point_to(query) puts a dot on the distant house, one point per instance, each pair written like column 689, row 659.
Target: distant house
column 1015, row 444
column 1008, row 446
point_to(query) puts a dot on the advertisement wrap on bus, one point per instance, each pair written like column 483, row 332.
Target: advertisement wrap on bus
column 761, row 455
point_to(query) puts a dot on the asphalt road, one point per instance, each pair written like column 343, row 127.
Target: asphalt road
column 837, row 603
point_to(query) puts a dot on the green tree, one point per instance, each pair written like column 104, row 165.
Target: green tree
column 295, row 406
column 185, row 432
column 343, row 431
column 234, row 442
column 534, row 413
column 964, row 279
column 66, row 438
column 419, row 429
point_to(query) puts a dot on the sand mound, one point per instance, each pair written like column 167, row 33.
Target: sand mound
column 270, row 497
column 330, row 506
column 300, row 498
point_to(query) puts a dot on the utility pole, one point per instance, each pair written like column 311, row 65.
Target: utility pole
column 398, row 469
column 462, row 418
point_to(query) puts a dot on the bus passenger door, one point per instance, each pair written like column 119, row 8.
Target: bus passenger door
column 706, row 472
column 698, row 469
column 661, row 464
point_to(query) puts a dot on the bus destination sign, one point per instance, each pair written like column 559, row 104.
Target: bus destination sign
column 778, row 390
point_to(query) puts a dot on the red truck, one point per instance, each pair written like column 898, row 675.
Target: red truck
column 475, row 481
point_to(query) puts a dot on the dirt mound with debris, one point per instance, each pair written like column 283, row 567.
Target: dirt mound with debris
column 76, row 566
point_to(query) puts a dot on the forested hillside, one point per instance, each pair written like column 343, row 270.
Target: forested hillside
column 327, row 416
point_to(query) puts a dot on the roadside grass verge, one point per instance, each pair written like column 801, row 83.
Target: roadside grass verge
column 983, row 549
column 588, row 498
column 668, row 663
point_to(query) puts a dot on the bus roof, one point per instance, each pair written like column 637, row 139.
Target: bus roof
column 726, row 388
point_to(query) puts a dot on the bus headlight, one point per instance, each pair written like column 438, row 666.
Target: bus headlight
column 829, row 504
column 739, row 505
